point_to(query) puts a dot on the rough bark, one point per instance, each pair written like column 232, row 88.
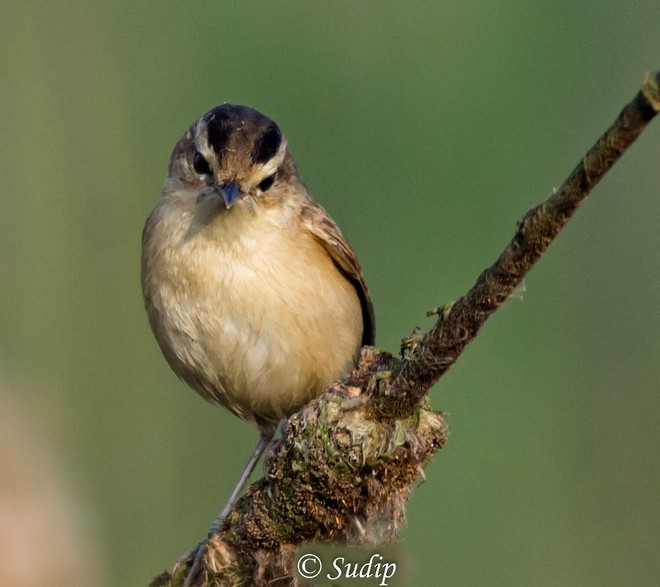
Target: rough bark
column 348, row 461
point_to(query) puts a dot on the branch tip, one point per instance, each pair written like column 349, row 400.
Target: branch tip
column 651, row 88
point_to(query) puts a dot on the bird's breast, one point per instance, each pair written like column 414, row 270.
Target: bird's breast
column 256, row 314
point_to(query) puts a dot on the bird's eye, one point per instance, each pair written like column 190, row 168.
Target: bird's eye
column 200, row 164
column 264, row 186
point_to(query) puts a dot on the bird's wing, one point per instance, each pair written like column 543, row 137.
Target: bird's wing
column 318, row 222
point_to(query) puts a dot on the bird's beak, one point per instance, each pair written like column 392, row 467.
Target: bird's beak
column 229, row 192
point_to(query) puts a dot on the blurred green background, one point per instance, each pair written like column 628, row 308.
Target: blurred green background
column 426, row 129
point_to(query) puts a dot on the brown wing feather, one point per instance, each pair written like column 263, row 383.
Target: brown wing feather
column 319, row 223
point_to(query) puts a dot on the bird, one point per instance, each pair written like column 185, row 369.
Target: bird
column 254, row 295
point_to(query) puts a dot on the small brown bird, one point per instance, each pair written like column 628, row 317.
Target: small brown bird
column 254, row 295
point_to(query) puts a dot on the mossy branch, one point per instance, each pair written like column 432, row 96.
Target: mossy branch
column 459, row 323
column 348, row 460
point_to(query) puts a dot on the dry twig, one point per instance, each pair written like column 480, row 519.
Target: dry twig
column 348, row 460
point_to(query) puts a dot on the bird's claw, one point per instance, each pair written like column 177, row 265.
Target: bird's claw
column 196, row 554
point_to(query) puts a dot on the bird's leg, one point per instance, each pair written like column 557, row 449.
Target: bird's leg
column 262, row 445
column 264, row 440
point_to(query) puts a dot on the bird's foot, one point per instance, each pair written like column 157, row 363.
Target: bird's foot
column 192, row 560
column 210, row 560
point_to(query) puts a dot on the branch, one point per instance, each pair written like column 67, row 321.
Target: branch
column 460, row 322
column 348, row 461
